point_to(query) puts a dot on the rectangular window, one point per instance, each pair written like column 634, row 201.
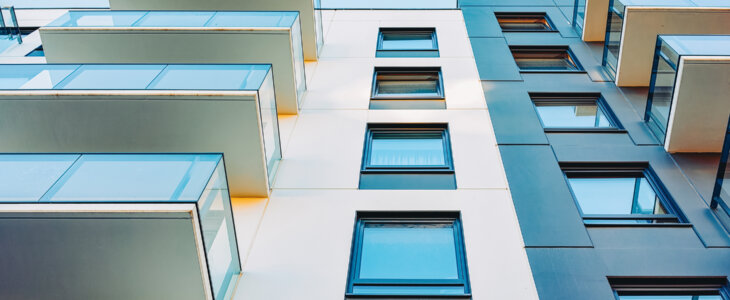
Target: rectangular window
column 408, row 254
column 669, row 288
column 523, row 22
column 407, row 83
column 573, row 112
column 629, row 194
column 545, row 59
column 407, row 42
column 399, row 156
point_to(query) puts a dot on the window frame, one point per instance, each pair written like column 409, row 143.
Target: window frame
column 405, row 129
column 572, row 59
column 637, row 286
column 517, row 15
column 577, row 98
column 624, row 170
column 430, row 52
column 391, row 217
column 440, row 94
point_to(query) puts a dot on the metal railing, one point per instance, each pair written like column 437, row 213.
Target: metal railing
column 14, row 29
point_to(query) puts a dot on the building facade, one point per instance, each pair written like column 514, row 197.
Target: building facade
column 471, row 149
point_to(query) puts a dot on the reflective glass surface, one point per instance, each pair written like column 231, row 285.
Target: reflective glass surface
column 669, row 297
column 26, row 177
column 57, row 3
column 214, row 77
column 519, row 22
column 408, row 251
column 660, row 95
column 136, row 77
column 616, row 196
column 417, row 149
column 577, row 115
column 407, row 84
column 175, row 19
column 549, row 61
column 408, row 290
column 270, row 125
column 579, row 15
column 613, row 38
column 33, row 76
column 407, row 40
column 388, row 4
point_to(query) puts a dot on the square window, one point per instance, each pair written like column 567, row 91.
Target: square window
column 669, row 288
column 407, row 42
column 620, row 195
column 408, row 254
column 544, row 59
column 573, row 112
column 407, row 83
column 524, row 22
column 399, row 156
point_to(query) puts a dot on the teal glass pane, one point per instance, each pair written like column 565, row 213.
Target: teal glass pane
column 210, row 77
column 26, row 177
column 252, row 19
column 97, row 19
column 584, row 115
column 407, row 41
column 389, row 4
column 408, row 290
column 57, row 3
column 270, row 125
column 619, row 196
column 408, row 251
column 174, row 19
column 33, row 76
column 129, row 177
column 399, row 150
column 98, row 77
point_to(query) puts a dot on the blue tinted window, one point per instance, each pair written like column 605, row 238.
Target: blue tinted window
column 531, row 59
column 417, row 256
column 407, row 83
column 410, row 148
column 407, row 42
column 570, row 112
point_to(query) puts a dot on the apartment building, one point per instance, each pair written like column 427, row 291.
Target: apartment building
column 338, row 149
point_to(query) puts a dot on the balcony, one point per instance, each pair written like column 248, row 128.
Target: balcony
column 184, row 37
column 631, row 27
column 721, row 194
column 311, row 16
column 116, row 226
column 227, row 109
column 687, row 106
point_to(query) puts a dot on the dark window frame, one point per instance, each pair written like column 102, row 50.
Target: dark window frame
column 637, row 286
column 526, row 15
column 406, row 129
column 623, row 170
column 440, row 94
column 411, row 217
column 578, row 67
column 578, row 98
column 430, row 52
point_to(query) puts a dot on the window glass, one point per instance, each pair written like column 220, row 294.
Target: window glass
column 616, row 196
column 408, row 251
column 660, row 95
column 548, row 60
column 613, row 39
column 407, row 40
column 404, row 84
column 670, row 297
column 407, row 150
column 578, row 115
column 523, row 22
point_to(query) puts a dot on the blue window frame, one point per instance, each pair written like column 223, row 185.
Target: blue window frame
column 545, row 59
column 620, row 195
column 524, row 22
column 408, row 254
column 669, row 288
column 407, row 83
column 401, row 148
column 407, row 42
column 574, row 112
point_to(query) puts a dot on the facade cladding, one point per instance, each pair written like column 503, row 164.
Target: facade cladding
column 340, row 149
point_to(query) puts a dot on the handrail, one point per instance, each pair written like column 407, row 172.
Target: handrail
column 15, row 26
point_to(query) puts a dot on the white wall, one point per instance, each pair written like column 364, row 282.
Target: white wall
column 300, row 249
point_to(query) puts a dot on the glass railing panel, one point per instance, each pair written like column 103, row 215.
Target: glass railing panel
column 216, row 218
column 299, row 76
column 97, row 19
column 26, row 177
column 389, row 4
column 105, row 77
column 174, row 19
column 57, row 3
column 131, row 178
column 253, row 19
column 210, row 77
column 33, row 76
column 270, row 126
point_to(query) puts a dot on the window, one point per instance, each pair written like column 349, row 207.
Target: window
column 573, row 112
column 545, row 59
column 626, row 194
column 37, row 52
column 407, row 42
column 398, row 156
column 669, row 288
column 529, row 22
column 408, row 254
column 407, row 83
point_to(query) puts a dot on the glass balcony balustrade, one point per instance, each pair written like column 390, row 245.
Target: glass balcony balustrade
column 688, row 70
column 235, row 113
column 198, row 179
column 22, row 4
column 262, row 19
